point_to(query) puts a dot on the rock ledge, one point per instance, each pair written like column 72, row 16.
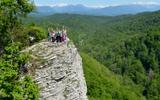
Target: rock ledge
column 58, row 71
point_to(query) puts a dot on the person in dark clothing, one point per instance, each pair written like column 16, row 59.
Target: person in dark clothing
column 58, row 36
column 31, row 40
column 49, row 35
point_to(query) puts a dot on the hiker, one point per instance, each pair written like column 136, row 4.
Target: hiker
column 59, row 36
column 31, row 40
column 49, row 35
column 53, row 35
column 64, row 35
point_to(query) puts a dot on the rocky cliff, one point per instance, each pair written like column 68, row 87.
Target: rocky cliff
column 57, row 69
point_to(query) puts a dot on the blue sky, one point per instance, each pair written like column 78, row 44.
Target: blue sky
column 94, row 2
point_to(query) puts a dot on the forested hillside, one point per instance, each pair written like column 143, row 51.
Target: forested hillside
column 127, row 45
column 102, row 84
column 139, row 59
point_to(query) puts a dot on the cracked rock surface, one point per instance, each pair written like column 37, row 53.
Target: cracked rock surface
column 59, row 72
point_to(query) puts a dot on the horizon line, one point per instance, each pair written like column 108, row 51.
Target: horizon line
column 98, row 6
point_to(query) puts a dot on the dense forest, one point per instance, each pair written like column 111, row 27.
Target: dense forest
column 126, row 45
column 121, row 54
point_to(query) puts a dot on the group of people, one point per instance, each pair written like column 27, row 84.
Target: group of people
column 57, row 36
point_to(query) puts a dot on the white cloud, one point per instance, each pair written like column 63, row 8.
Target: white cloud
column 97, row 6
column 146, row 3
column 102, row 6
column 53, row 5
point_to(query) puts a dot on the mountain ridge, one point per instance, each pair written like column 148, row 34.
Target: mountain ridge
column 101, row 11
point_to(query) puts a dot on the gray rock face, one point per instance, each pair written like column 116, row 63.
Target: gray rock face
column 58, row 71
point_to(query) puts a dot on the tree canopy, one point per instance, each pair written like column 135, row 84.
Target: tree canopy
column 11, row 12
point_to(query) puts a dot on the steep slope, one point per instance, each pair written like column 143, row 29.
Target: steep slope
column 58, row 71
column 104, row 85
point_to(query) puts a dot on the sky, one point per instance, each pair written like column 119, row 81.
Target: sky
column 93, row 3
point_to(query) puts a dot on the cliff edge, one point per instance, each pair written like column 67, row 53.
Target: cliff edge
column 57, row 69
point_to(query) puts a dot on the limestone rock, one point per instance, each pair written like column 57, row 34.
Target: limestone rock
column 58, row 71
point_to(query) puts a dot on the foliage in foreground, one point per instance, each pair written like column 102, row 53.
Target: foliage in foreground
column 11, row 12
column 12, row 85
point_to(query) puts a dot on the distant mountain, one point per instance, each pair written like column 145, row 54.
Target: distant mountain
column 127, row 9
column 107, row 11
column 71, row 9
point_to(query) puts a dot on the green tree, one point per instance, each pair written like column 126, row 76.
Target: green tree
column 11, row 12
column 12, row 85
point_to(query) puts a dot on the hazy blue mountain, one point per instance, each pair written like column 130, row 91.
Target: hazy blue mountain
column 72, row 9
column 108, row 11
column 127, row 9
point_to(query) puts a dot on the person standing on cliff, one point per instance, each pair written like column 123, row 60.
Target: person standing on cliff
column 53, row 33
column 58, row 36
column 64, row 35
column 49, row 34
